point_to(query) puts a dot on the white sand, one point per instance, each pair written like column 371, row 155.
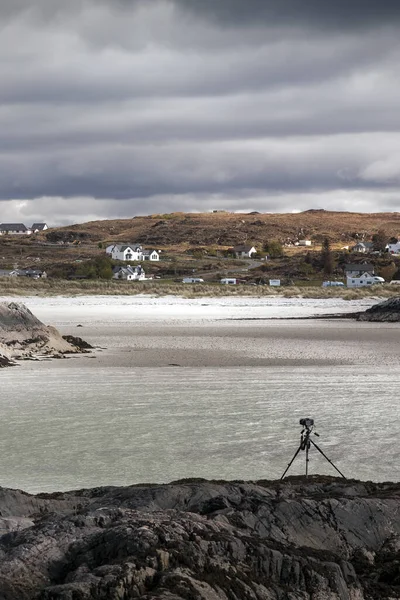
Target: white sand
column 143, row 331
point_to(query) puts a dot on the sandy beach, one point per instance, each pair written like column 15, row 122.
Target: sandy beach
column 230, row 332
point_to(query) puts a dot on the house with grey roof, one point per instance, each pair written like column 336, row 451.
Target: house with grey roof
column 36, row 227
column 363, row 247
column 14, row 229
column 32, row 273
column 358, row 269
column 152, row 255
column 129, row 273
column 244, row 251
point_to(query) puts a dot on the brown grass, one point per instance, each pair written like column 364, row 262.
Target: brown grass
column 179, row 231
column 10, row 286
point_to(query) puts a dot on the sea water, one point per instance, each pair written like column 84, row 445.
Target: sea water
column 71, row 425
column 61, row 430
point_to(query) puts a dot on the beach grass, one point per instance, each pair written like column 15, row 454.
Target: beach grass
column 12, row 286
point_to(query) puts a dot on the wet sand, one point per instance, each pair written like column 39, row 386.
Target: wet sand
column 235, row 344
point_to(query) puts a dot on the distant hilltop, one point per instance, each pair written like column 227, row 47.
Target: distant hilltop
column 227, row 229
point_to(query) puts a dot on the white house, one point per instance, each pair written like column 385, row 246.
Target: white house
column 363, row 247
column 129, row 273
column 364, row 280
column 152, row 255
column 36, row 227
column 125, row 252
column 229, row 281
column 304, row 243
column 244, row 251
column 394, row 248
column 14, row 229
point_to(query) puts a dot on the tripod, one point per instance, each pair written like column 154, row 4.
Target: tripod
column 305, row 444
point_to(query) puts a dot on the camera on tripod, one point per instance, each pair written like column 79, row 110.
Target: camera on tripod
column 307, row 423
column 305, row 444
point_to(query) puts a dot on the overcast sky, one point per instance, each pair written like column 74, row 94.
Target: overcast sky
column 113, row 108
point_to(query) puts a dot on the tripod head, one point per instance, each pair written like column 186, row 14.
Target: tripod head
column 308, row 427
column 307, row 424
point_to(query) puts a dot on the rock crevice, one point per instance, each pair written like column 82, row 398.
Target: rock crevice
column 318, row 540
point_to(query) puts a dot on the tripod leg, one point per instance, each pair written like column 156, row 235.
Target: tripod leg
column 328, row 459
column 307, row 459
column 291, row 462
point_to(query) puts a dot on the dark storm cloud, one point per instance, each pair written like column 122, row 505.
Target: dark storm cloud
column 345, row 14
column 155, row 105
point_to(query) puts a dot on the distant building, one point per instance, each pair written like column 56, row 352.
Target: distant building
column 129, row 273
column 131, row 252
column 36, row 227
column 363, row 247
column 151, row 255
column 32, row 273
column 304, row 243
column 275, row 282
column 394, row 247
column 244, row 251
column 229, row 281
column 366, row 279
column 14, row 229
column 356, row 270
column 125, row 252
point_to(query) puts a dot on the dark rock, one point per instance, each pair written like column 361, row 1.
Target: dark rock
column 324, row 539
column 5, row 361
column 77, row 341
column 384, row 312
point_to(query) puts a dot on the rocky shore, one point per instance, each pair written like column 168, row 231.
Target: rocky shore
column 387, row 311
column 321, row 539
column 23, row 336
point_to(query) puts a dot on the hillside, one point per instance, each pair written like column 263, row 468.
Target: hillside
column 226, row 229
column 195, row 243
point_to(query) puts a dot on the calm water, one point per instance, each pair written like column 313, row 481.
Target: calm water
column 80, row 427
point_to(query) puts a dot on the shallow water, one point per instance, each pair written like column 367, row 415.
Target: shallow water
column 80, row 427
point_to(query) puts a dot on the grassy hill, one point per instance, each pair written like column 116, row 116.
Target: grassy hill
column 180, row 230
column 194, row 243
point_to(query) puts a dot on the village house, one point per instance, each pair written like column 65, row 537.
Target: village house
column 366, row 279
column 244, row 251
column 128, row 273
column 152, row 255
column 32, row 273
column 36, row 227
column 131, row 252
column 14, row 229
column 363, row 247
column 393, row 247
column 303, row 243
column 356, row 270
column 125, row 252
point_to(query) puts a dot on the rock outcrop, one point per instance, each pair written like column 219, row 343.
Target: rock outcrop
column 23, row 336
column 385, row 312
column 324, row 539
